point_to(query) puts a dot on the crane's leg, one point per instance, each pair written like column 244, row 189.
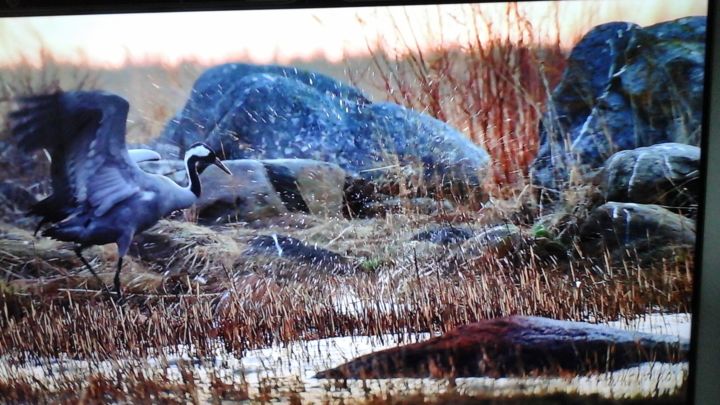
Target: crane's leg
column 78, row 252
column 123, row 246
column 117, row 279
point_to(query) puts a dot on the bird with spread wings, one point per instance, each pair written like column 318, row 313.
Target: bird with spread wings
column 100, row 195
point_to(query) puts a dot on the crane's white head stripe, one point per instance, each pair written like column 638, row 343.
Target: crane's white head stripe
column 199, row 150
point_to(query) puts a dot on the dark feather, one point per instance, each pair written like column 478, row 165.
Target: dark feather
column 67, row 125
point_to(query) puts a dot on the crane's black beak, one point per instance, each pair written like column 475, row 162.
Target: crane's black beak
column 222, row 167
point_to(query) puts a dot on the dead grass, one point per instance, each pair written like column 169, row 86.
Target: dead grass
column 492, row 87
column 131, row 385
column 210, row 288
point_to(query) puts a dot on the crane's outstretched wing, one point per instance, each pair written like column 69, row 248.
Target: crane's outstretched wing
column 85, row 135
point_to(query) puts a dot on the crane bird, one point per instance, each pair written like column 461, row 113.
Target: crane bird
column 136, row 155
column 100, row 195
column 143, row 155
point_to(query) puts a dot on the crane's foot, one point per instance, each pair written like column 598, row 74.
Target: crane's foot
column 119, row 299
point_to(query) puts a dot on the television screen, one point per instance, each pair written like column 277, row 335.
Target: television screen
column 449, row 203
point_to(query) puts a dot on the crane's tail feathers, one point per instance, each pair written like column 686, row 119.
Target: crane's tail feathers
column 52, row 209
column 64, row 232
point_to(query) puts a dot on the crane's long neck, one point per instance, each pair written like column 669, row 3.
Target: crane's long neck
column 193, row 176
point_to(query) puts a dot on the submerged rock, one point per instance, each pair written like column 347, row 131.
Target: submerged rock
column 665, row 174
column 270, row 112
column 648, row 229
column 624, row 87
column 515, row 346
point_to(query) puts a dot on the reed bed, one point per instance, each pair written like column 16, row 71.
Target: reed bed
column 412, row 287
column 492, row 86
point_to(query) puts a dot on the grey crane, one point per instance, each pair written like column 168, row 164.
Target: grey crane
column 100, row 195
column 136, row 155
column 143, row 155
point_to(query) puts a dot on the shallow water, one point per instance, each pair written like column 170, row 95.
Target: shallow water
column 290, row 368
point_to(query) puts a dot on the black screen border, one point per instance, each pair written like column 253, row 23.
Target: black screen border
column 703, row 387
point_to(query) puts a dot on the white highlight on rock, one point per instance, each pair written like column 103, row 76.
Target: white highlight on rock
column 277, row 245
column 631, row 182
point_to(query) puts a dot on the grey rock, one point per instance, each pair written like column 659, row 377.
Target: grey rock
column 624, row 87
column 15, row 202
column 306, row 185
column 286, row 247
column 245, row 196
column 499, row 240
column 171, row 168
column 560, row 226
column 665, row 174
column 444, row 235
column 15, row 196
column 17, row 164
column 650, row 230
column 272, row 112
column 166, row 150
column 217, row 89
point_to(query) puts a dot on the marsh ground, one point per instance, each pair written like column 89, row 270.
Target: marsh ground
column 206, row 313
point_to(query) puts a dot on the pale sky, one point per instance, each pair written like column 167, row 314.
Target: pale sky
column 281, row 35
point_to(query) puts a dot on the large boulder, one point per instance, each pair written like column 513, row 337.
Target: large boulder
column 515, row 346
column 666, row 174
column 260, row 189
column 271, row 112
column 216, row 91
column 624, row 87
